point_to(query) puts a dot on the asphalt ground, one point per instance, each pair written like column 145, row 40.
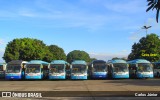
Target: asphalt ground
column 121, row 89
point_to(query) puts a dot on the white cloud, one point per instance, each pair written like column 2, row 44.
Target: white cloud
column 134, row 37
column 2, row 48
column 152, row 22
column 74, row 15
column 2, row 42
column 141, row 32
column 27, row 14
column 1, row 55
column 109, row 56
column 127, row 6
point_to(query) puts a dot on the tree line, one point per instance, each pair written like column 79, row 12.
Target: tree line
column 29, row 49
column 147, row 48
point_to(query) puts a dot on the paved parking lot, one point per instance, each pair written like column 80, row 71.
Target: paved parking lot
column 83, row 85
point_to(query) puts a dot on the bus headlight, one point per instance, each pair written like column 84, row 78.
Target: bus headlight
column 62, row 74
column 38, row 74
column 126, row 73
column 151, row 72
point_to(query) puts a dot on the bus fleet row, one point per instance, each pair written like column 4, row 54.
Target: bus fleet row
column 79, row 69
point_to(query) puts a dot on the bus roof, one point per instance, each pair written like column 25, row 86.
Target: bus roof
column 79, row 62
column 2, row 63
column 157, row 62
column 139, row 61
column 98, row 61
column 117, row 61
column 17, row 62
column 59, row 62
column 37, row 62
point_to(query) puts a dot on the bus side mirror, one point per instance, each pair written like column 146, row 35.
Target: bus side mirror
column 4, row 67
column 49, row 66
column 42, row 66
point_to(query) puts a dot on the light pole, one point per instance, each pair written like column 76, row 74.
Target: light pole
column 146, row 28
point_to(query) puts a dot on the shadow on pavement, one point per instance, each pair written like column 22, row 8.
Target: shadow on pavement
column 139, row 82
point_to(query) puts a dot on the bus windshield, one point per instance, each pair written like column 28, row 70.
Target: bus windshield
column 120, row 67
column 79, row 68
column 33, row 68
column 144, row 67
column 1, row 67
column 99, row 68
column 13, row 68
column 157, row 66
column 57, row 68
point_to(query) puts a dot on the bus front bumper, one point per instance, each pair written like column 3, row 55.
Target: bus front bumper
column 121, row 76
column 99, row 76
column 13, row 77
column 33, row 77
column 78, row 77
column 57, row 77
column 144, row 75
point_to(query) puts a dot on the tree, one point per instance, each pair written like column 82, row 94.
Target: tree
column 78, row 55
column 25, row 49
column 57, row 52
column 154, row 4
column 147, row 48
column 91, row 59
column 115, row 58
column 123, row 58
column 49, row 56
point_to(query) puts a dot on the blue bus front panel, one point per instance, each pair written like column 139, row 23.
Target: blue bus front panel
column 99, row 75
column 141, row 75
column 13, row 76
column 78, row 77
column 33, row 77
column 57, row 77
column 120, row 76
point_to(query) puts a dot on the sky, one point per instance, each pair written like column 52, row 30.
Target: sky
column 103, row 28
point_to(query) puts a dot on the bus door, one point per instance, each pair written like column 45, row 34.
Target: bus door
column 132, row 70
column 45, row 71
column 109, row 70
column 23, row 68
